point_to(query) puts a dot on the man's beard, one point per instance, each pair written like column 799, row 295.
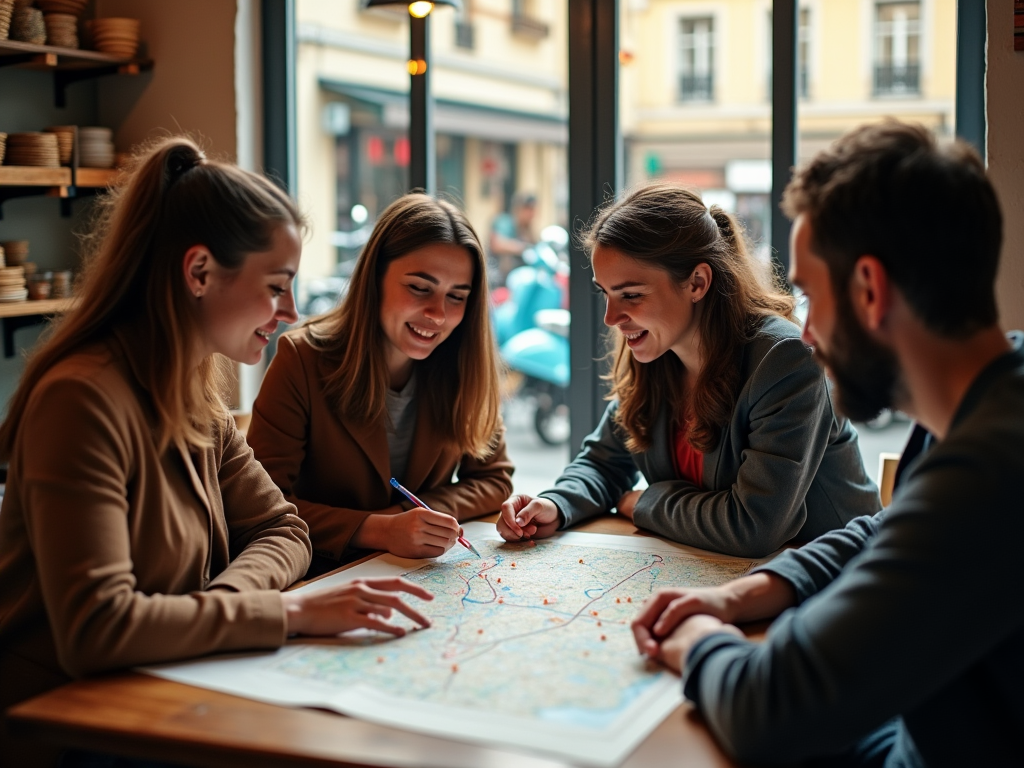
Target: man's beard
column 865, row 373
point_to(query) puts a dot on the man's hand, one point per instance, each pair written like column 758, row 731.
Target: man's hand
column 526, row 517
column 676, row 648
column 666, row 609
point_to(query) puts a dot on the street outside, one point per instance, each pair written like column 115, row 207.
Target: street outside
column 537, row 464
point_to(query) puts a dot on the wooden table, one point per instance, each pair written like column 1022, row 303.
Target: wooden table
column 143, row 716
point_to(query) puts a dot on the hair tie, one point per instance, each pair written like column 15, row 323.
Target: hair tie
column 181, row 162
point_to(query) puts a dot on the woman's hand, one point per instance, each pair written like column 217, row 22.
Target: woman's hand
column 362, row 603
column 627, row 503
column 421, row 533
column 526, row 517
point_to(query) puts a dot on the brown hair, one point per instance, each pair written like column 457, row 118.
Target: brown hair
column 668, row 226
column 459, row 381
column 172, row 199
column 926, row 212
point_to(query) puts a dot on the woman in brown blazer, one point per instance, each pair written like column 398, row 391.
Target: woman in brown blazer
column 136, row 526
column 401, row 380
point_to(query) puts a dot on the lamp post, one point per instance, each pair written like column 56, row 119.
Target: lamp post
column 422, row 152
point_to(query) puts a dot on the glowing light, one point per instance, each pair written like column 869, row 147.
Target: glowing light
column 420, row 9
column 416, row 66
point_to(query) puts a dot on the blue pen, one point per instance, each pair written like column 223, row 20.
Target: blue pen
column 402, row 490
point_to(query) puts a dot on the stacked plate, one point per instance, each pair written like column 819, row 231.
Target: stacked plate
column 27, row 25
column 12, row 284
column 65, row 141
column 95, row 147
column 118, row 37
column 71, row 7
column 36, row 149
column 61, row 29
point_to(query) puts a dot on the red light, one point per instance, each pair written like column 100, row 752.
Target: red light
column 402, row 152
column 375, row 149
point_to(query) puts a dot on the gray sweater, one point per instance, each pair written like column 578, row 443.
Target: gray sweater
column 787, row 467
column 916, row 612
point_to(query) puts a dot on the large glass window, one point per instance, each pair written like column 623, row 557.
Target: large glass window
column 499, row 79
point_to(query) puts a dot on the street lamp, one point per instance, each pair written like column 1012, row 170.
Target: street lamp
column 422, row 153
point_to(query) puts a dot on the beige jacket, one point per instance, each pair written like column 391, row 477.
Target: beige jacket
column 114, row 554
column 337, row 473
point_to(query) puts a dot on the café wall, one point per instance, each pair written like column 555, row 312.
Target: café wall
column 1005, row 108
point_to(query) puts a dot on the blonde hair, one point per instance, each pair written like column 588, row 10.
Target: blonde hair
column 459, row 381
column 172, row 199
column 668, row 226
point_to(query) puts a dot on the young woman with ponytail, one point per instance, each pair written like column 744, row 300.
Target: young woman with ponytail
column 714, row 398
column 136, row 526
column 400, row 380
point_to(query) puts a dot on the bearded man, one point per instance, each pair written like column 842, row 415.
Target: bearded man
column 901, row 637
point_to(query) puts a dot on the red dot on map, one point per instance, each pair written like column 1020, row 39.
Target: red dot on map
column 479, row 631
column 455, row 667
column 501, row 600
column 513, row 565
column 629, row 599
column 581, row 559
column 603, row 638
column 499, row 579
column 599, row 623
column 380, row 659
column 593, row 613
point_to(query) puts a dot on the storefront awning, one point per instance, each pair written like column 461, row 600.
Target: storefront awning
column 459, row 118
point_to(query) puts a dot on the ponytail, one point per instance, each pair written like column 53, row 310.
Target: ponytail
column 169, row 200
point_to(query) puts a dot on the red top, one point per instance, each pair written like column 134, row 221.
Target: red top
column 687, row 460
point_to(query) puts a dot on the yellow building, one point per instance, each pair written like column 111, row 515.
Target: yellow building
column 695, row 95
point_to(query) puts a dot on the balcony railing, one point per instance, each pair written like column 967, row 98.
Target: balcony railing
column 696, row 87
column 894, row 81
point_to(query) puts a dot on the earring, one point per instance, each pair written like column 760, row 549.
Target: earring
column 199, row 294
column 695, row 301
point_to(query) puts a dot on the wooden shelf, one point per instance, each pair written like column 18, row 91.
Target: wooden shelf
column 69, row 65
column 52, row 57
column 96, row 177
column 29, row 308
column 26, row 176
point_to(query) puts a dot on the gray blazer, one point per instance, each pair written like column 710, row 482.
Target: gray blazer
column 787, row 466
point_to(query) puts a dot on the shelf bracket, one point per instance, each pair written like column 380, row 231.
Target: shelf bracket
column 62, row 78
column 14, row 324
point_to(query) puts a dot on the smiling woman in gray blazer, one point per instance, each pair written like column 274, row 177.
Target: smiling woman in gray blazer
column 716, row 400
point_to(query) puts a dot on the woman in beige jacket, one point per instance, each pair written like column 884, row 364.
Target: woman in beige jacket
column 401, row 380
column 136, row 526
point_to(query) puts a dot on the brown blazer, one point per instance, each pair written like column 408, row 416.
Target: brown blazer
column 114, row 554
column 337, row 473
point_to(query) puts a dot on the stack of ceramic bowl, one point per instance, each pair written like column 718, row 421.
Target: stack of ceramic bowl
column 62, row 282
column 27, row 25
column 35, row 149
column 3, row 144
column 12, row 284
column 6, row 11
column 65, row 141
column 71, row 7
column 61, row 29
column 118, row 37
column 15, row 252
column 95, row 147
